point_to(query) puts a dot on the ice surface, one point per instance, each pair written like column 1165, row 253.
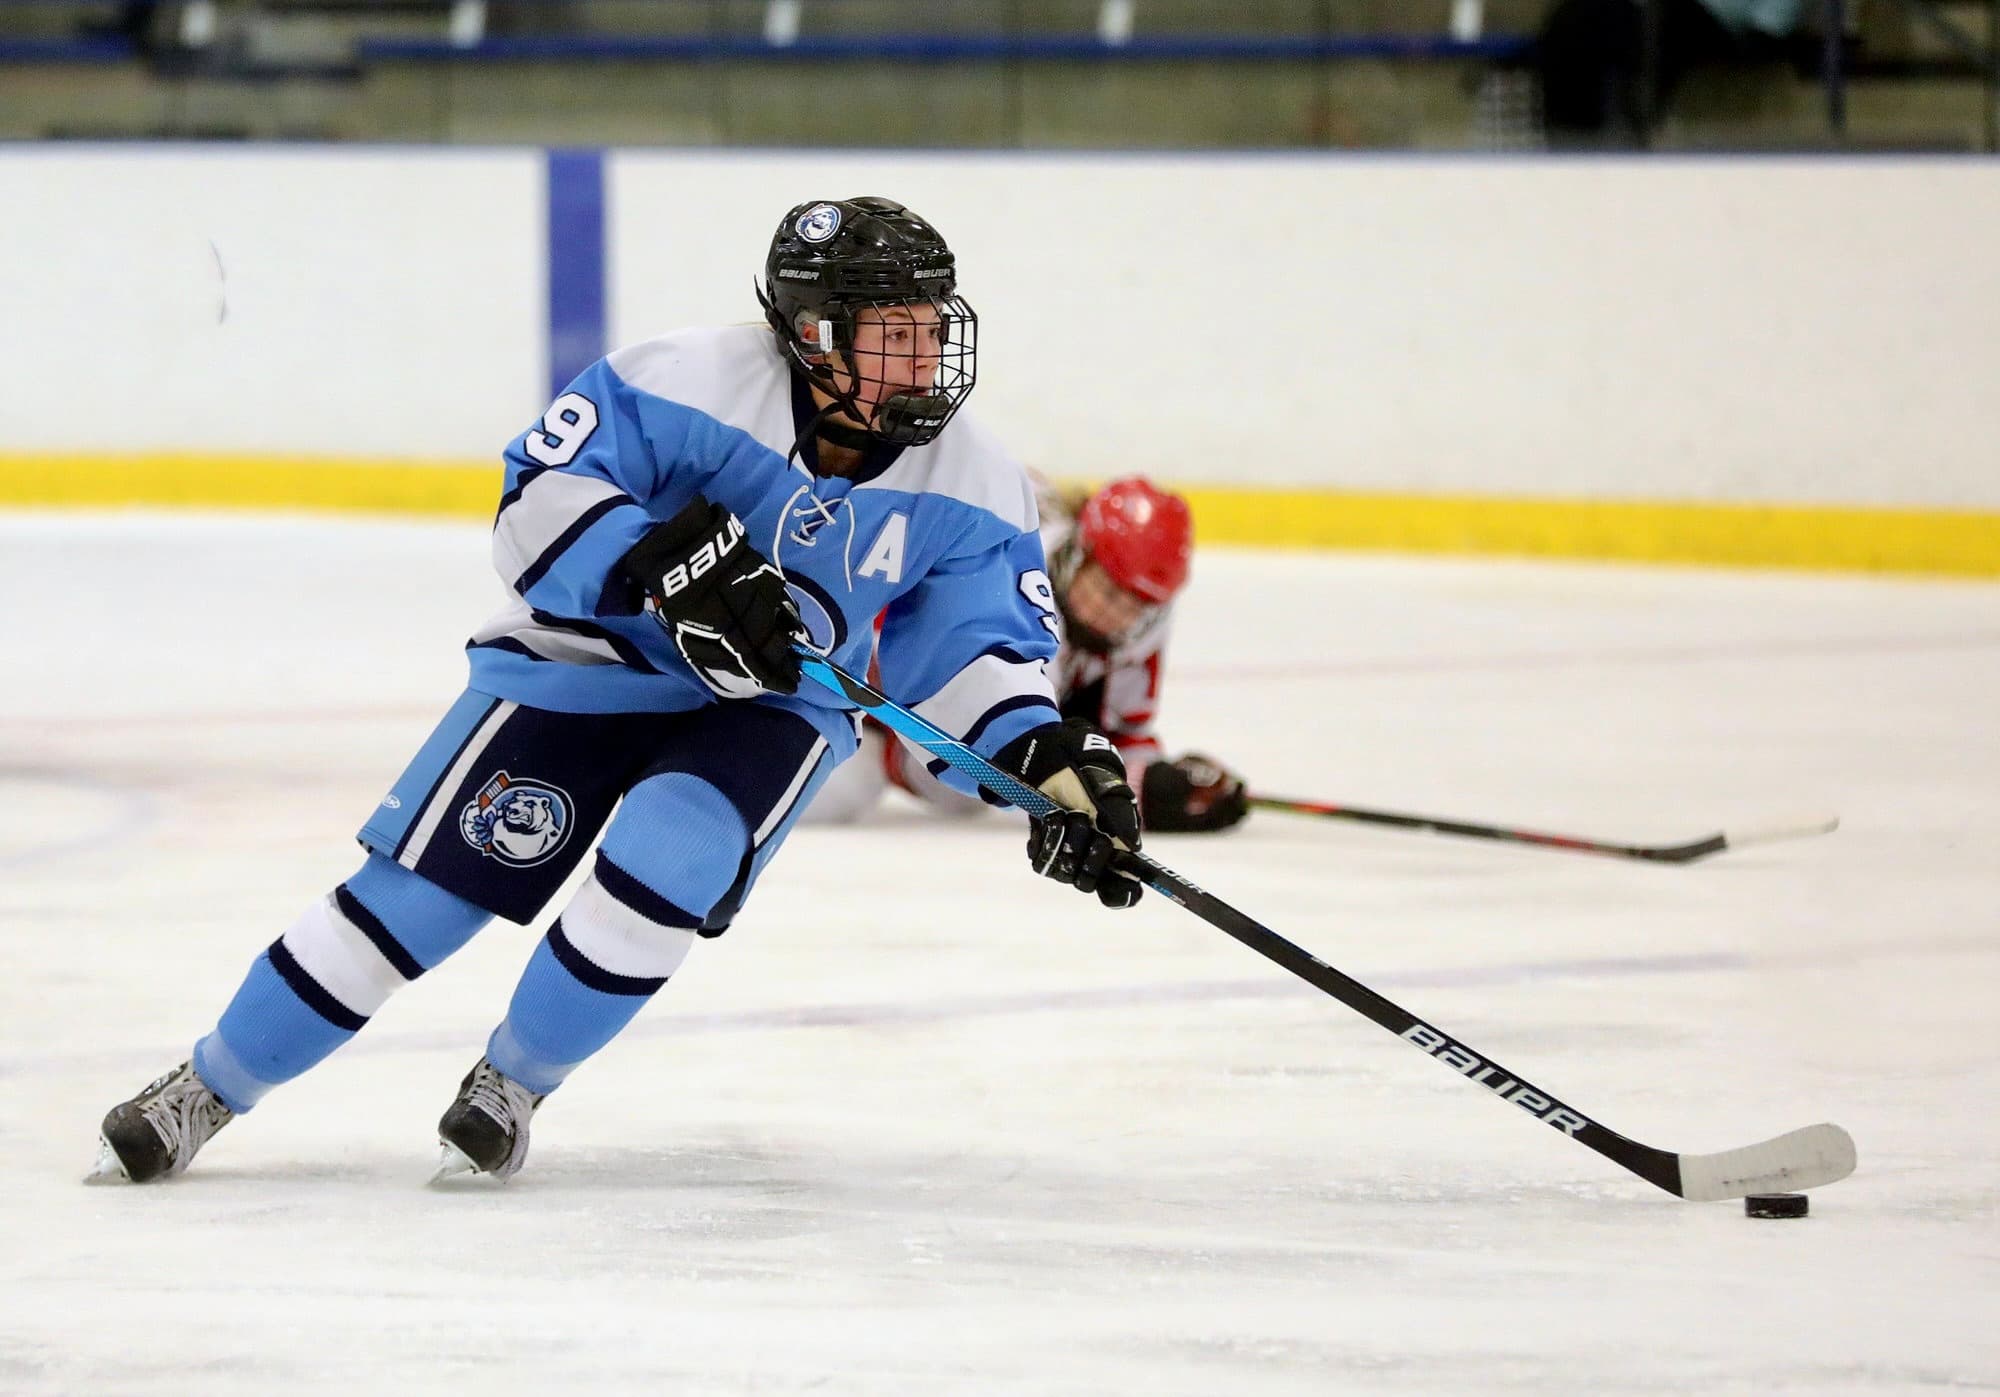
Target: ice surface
column 923, row 1124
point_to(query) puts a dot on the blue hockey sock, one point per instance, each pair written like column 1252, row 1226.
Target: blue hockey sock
column 267, row 1035
column 557, row 1019
column 621, row 936
column 316, row 985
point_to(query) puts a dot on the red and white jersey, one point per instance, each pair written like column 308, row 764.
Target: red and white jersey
column 1118, row 692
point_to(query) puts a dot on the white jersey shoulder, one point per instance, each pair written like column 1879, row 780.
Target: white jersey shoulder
column 733, row 373
column 966, row 463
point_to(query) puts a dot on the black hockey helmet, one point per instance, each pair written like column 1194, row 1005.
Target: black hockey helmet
column 837, row 265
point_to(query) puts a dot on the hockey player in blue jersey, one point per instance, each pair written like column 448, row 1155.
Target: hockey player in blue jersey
column 689, row 509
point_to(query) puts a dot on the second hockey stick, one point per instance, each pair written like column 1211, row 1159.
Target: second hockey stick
column 1656, row 853
column 1800, row 1159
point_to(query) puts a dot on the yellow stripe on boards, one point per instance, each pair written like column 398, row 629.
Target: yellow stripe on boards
column 1849, row 538
column 207, row 481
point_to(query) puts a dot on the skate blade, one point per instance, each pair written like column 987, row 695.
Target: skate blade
column 109, row 1168
column 452, row 1162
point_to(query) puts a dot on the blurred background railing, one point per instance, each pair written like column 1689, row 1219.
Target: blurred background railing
column 1436, row 74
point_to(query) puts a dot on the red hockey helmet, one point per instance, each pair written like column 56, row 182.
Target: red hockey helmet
column 1142, row 536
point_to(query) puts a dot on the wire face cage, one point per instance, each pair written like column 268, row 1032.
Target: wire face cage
column 900, row 367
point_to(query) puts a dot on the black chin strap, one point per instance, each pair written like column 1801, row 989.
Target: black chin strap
column 822, row 425
column 815, row 426
column 844, row 436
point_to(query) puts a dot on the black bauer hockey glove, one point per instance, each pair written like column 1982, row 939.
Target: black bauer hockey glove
column 1191, row 795
column 1075, row 765
column 723, row 603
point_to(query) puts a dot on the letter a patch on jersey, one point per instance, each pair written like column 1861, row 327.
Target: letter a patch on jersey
column 885, row 555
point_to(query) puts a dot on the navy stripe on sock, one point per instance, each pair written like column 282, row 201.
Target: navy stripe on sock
column 591, row 974
column 370, row 926
column 640, row 898
column 308, row 989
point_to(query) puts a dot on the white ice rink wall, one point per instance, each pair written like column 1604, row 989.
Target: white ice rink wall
column 1747, row 360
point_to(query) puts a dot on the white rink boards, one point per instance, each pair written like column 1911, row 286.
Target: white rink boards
column 920, row 1123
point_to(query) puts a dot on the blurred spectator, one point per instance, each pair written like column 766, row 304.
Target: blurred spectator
column 1593, row 62
column 515, row 17
column 133, row 22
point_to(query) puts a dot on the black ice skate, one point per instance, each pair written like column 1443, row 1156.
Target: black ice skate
column 485, row 1131
column 157, row 1133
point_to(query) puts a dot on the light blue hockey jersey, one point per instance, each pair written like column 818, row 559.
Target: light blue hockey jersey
column 942, row 537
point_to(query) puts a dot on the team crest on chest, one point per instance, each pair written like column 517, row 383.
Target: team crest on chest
column 521, row 823
column 823, row 633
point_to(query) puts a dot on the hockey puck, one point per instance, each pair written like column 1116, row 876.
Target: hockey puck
column 1775, row 1205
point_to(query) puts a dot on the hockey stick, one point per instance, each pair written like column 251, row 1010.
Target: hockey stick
column 1801, row 1159
column 1656, row 853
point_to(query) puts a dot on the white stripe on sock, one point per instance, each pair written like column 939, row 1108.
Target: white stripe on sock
column 341, row 960
column 613, row 937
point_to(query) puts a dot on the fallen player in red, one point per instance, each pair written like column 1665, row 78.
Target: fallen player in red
column 1117, row 559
